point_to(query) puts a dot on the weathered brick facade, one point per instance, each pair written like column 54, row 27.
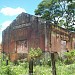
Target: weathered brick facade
column 0, row 48
column 28, row 31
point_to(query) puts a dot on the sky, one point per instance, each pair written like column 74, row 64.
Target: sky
column 10, row 9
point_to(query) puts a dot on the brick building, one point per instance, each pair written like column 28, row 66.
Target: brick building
column 28, row 31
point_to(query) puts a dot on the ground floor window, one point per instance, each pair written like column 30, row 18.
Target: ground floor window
column 22, row 46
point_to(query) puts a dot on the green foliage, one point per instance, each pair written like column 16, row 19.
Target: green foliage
column 33, row 53
column 66, row 69
column 45, row 62
column 22, row 69
column 45, row 59
column 41, row 70
column 48, row 9
column 69, row 57
column 14, row 69
column 24, row 64
column 60, row 12
column 6, row 70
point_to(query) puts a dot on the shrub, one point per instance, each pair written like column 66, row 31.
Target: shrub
column 34, row 53
column 45, row 59
column 69, row 57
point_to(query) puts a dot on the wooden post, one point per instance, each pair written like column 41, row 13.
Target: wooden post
column 6, row 62
column 31, row 67
column 3, row 56
column 53, row 64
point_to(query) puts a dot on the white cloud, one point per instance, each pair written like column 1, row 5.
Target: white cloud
column 8, row 11
column 5, row 24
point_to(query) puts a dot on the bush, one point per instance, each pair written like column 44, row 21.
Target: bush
column 34, row 53
column 45, row 59
column 69, row 57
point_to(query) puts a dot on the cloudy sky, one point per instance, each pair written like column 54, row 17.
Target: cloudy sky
column 9, row 9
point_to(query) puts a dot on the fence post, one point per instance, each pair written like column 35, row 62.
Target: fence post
column 7, row 60
column 53, row 64
column 31, row 67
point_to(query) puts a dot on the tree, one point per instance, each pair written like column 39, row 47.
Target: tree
column 60, row 12
column 70, row 16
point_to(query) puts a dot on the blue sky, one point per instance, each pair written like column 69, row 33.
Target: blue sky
column 9, row 9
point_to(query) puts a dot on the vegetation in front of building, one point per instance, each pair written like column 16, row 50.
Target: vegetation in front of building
column 65, row 67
